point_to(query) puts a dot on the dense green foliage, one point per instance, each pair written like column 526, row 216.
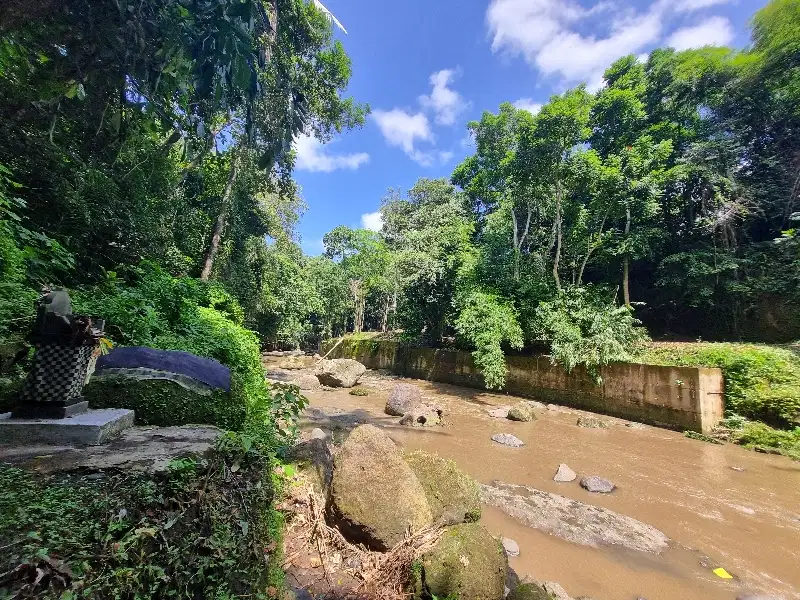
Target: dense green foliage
column 164, row 403
column 147, row 151
column 486, row 323
column 761, row 382
column 584, row 328
column 197, row 531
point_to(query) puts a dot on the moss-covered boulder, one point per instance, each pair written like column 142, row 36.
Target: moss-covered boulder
column 375, row 496
column 523, row 411
column 467, row 562
column 529, row 591
column 165, row 403
column 454, row 497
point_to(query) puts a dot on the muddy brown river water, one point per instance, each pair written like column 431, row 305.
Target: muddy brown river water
column 723, row 506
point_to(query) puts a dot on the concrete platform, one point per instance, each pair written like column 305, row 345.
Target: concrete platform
column 90, row 428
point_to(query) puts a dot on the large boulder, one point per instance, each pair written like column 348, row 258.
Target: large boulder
column 402, row 399
column 467, row 562
column 422, row 415
column 454, row 497
column 375, row 497
column 304, row 380
column 522, row 411
column 339, row 372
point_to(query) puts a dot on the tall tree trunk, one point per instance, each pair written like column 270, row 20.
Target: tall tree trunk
column 358, row 305
column 222, row 221
column 386, row 309
column 558, row 237
column 626, row 268
column 519, row 240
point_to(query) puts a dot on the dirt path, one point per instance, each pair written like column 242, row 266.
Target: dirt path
column 722, row 505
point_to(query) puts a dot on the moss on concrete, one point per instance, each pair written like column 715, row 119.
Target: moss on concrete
column 165, row 403
column 466, row 563
column 453, row 495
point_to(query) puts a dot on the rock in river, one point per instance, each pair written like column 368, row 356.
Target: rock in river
column 564, row 474
column 500, row 412
column 591, row 423
column 402, row 398
column 340, row 372
column 422, row 415
column 510, row 546
column 375, row 496
column 573, row 521
column 508, row 440
column 597, row 484
column 522, row 412
column 453, row 495
column 467, row 563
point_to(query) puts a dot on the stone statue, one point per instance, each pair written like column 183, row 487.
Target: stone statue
column 53, row 315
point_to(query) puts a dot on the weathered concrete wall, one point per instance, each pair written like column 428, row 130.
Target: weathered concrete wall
column 673, row 397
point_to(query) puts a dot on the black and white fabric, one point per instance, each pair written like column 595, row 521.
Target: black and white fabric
column 58, row 373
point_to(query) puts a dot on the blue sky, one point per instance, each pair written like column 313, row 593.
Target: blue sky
column 428, row 68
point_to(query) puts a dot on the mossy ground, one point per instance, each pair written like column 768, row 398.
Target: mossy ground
column 198, row 531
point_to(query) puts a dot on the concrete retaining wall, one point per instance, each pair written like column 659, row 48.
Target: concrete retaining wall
column 673, row 397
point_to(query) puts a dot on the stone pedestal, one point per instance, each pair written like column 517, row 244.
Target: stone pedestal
column 55, row 382
column 88, row 428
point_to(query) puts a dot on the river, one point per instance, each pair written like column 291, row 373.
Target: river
column 723, row 506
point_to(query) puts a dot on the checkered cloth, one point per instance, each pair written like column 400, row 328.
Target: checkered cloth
column 58, row 373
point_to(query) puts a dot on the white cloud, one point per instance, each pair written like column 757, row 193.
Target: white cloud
column 551, row 35
column 311, row 156
column 445, row 156
column 403, row 130
column 446, row 103
column 372, row 221
column 692, row 5
column 544, row 33
column 716, row 31
column 529, row 105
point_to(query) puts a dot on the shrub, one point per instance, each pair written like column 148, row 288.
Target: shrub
column 583, row 327
column 486, row 322
column 761, row 382
column 195, row 531
column 165, row 403
column 146, row 306
column 761, row 435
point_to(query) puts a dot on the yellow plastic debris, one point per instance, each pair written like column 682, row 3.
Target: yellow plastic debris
column 722, row 573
